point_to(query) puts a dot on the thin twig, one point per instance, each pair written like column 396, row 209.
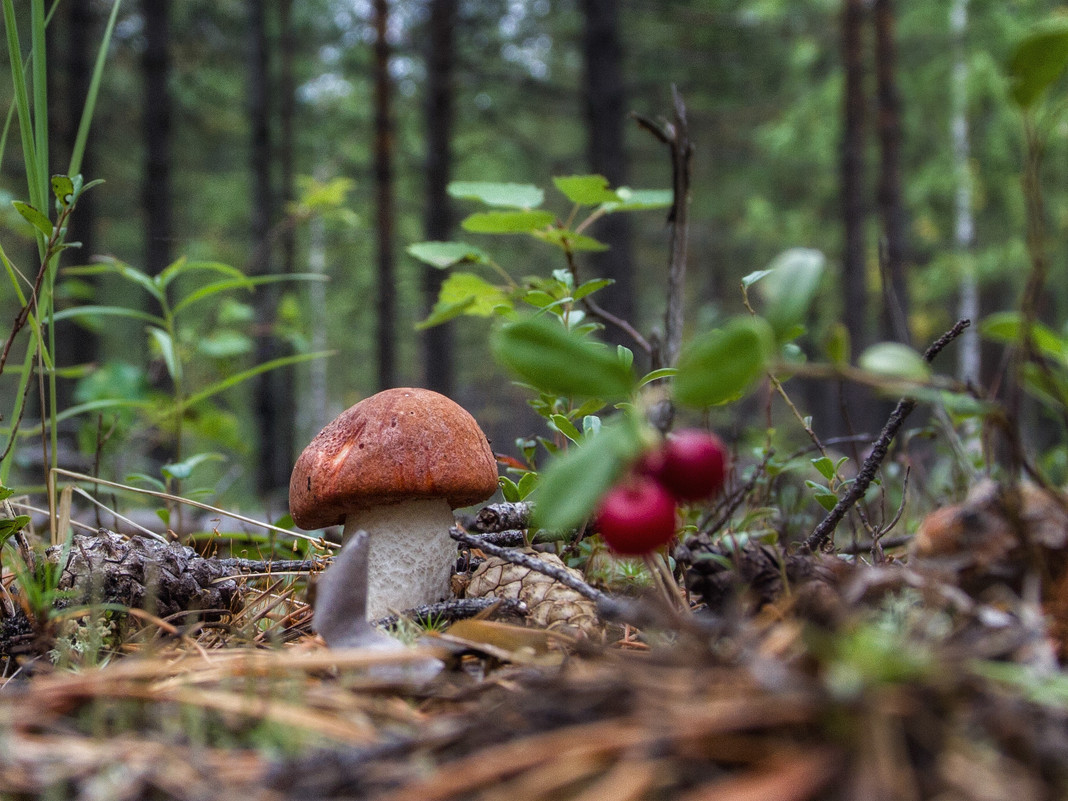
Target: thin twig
column 821, row 535
column 676, row 135
column 525, row 560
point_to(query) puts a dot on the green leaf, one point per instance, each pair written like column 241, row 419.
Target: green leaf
column 244, row 375
column 243, row 282
column 62, row 188
column 9, row 526
column 1038, row 61
column 465, row 293
column 168, row 351
column 573, row 484
column 509, row 489
column 122, row 269
column 656, row 375
column 788, row 288
column 1007, row 327
column 183, row 469
column 527, row 484
column 443, row 312
column 591, row 286
column 513, row 196
column 568, row 240
column 641, row 199
column 93, row 312
column 895, row 360
column 723, row 364
column 565, row 427
column 825, row 467
column 586, row 190
column 224, row 344
column 823, row 495
column 34, row 217
column 183, row 266
column 550, row 358
column 507, row 222
column 446, row 254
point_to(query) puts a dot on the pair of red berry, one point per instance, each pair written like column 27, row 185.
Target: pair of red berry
column 638, row 514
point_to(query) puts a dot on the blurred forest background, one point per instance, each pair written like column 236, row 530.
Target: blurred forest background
column 319, row 137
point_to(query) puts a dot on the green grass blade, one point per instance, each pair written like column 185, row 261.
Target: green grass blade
column 109, row 311
column 237, row 378
column 246, row 282
column 78, row 151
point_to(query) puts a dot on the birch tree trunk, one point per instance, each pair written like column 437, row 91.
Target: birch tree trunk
column 968, row 350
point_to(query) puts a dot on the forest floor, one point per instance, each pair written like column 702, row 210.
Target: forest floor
column 796, row 677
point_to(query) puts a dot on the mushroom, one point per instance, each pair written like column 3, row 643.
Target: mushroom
column 341, row 616
column 395, row 465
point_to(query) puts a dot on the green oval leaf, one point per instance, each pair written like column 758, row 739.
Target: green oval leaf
column 895, row 360
column 514, row 196
column 446, row 254
column 33, row 217
column 167, row 351
column 507, row 222
column 641, row 199
column 573, row 484
column 586, row 190
column 1007, row 327
column 1038, row 61
column 723, row 364
column 465, row 293
column 550, row 358
column 62, row 188
column 788, row 288
column 568, row 240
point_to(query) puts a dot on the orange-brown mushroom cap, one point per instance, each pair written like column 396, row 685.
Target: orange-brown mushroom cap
column 401, row 444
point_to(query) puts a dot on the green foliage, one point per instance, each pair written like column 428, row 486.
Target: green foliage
column 721, row 365
column 1038, row 61
column 199, row 352
column 555, row 360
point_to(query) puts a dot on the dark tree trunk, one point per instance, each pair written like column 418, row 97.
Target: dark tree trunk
column 854, row 211
column 894, row 250
column 287, row 93
column 438, row 220
column 605, row 118
column 383, row 177
column 273, row 416
column 74, row 344
column 156, row 191
column 861, row 412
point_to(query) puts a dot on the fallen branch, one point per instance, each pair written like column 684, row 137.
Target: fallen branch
column 821, row 535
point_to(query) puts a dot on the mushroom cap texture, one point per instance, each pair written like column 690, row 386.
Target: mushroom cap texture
column 398, row 445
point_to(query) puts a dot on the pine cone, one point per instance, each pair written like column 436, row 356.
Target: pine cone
column 164, row 578
column 551, row 604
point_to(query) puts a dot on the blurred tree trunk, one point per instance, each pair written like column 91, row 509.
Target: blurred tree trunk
column 273, row 398
column 438, row 219
column 383, row 176
column 969, row 351
column 287, row 95
column 854, row 215
column 606, row 115
column 75, row 344
column 894, row 250
column 156, row 200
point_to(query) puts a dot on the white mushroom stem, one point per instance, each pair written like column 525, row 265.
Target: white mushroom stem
column 411, row 554
column 340, row 616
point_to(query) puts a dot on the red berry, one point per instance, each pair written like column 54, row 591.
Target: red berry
column 691, row 464
column 637, row 516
